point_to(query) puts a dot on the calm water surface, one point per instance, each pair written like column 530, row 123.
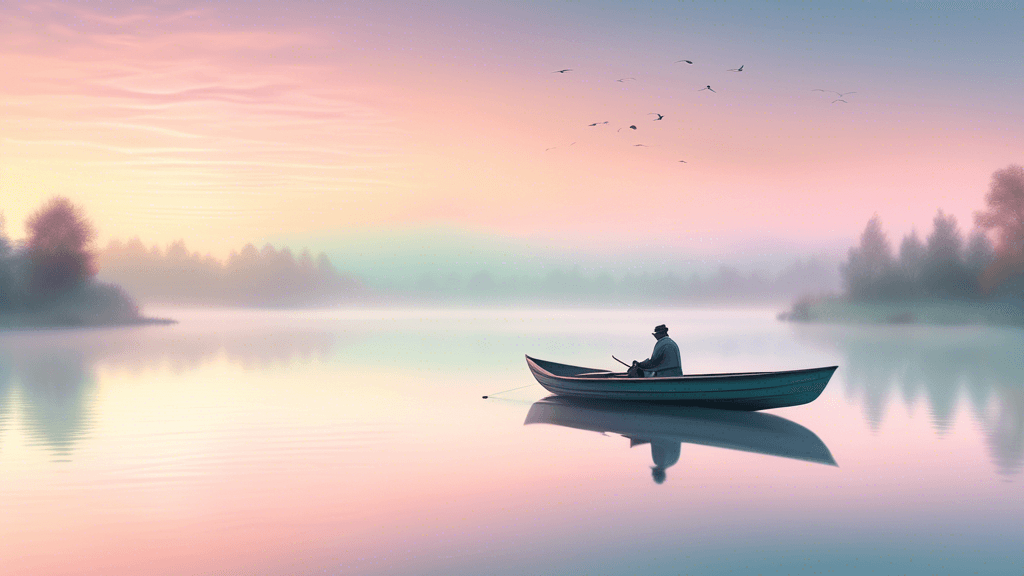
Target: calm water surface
column 345, row 442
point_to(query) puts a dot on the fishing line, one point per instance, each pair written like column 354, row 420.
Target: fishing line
column 503, row 391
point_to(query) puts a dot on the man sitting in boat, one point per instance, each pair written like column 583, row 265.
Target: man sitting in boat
column 664, row 361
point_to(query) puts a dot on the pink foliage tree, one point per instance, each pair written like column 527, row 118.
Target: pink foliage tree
column 1005, row 217
column 59, row 247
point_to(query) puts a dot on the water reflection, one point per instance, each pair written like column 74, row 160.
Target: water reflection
column 940, row 366
column 666, row 427
column 5, row 397
column 1006, row 434
column 55, row 393
column 48, row 376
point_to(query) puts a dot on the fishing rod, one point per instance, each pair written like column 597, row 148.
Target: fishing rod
column 621, row 362
column 503, row 391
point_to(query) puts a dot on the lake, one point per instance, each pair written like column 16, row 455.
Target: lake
column 357, row 442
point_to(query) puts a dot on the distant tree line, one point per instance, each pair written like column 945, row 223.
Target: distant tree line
column 48, row 279
column 575, row 286
column 250, row 277
column 944, row 265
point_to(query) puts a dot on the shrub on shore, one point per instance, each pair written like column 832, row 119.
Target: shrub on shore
column 48, row 281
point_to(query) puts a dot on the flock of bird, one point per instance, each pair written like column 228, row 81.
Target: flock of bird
column 707, row 87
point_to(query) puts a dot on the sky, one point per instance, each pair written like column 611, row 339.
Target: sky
column 222, row 123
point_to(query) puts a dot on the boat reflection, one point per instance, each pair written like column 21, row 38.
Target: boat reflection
column 666, row 427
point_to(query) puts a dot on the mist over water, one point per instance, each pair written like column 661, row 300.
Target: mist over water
column 355, row 441
column 455, row 269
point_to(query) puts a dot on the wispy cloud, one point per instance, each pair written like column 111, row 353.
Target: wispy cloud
column 170, row 101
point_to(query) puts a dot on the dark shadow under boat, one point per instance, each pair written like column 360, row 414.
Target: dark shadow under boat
column 665, row 427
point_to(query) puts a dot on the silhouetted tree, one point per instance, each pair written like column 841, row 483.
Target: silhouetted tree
column 59, row 247
column 324, row 266
column 944, row 272
column 5, row 243
column 452, row 283
column 911, row 263
column 177, row 251
column 868, row 272
column 980, row 253
column 7, row 277
column 305, row 263
column 481, row 284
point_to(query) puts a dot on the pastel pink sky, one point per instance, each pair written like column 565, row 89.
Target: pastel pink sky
column 240, row 122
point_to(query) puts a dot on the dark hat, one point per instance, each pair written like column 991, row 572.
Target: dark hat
column 660, row 328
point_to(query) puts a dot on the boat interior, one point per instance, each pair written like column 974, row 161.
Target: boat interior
column 569, row 371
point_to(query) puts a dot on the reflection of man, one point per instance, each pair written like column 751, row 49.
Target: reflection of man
column 664, row 361
column 665, row 454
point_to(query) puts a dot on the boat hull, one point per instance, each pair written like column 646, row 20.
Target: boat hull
column 738, row 391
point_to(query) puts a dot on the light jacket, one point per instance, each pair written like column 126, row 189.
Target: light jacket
column 664, row 361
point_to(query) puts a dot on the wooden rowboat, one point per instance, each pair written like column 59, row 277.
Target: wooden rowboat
column 734, row 391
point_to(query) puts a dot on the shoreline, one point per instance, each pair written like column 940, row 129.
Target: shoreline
column 838, row 310
column 17, row 322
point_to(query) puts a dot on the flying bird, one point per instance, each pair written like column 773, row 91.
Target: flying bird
column 562, row 71
column 644, row 145
column 840, row 100
column 683, row 161
column 740, row 69
column 840, row 94
column 553, row 147
column 598, row 123
column 631, row 127
column 659, row 116
column 708, row 87
column 678, row 61
column 624, row 79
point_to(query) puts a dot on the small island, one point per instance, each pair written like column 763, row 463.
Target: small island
column 48, row 280
column 942, row 280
